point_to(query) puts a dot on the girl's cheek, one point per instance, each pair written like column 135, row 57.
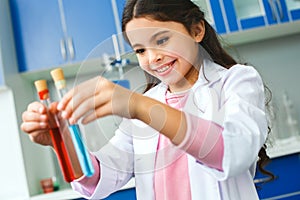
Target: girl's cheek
column 145, row 68
column 143, row 63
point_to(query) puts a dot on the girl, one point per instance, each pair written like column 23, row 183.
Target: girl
column 197, row 130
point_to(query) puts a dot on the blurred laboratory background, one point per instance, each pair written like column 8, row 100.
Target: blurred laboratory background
column 83, row 37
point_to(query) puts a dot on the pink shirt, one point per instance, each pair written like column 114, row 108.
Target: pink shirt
column 171, row 166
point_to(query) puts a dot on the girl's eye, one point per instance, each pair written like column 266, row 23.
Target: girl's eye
column 162, row 41
column 139, row 51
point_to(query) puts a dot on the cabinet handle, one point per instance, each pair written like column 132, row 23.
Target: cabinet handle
column 280, row 9
column 273, row 9
column 71, row 48
column 63, row 51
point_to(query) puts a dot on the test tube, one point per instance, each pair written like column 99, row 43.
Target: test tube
column 56, row 137
column 81, row 150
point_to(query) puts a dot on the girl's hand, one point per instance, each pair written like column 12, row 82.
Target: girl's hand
column 95, row 98
column 99, row 97
column 35, row 123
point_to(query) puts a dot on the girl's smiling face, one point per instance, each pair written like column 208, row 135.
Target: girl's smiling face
column 166, row 50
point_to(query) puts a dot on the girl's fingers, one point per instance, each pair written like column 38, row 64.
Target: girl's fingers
column 81, row 110
column 76, row 96
column 72, row 105
column 29, row 116
column 82, row 98
column 37, row 107
column 113, row 101
column 41, row 137
column 30, row 127
column 97, row 113
column 53, row 107
column 89, row 106
column 64, row 101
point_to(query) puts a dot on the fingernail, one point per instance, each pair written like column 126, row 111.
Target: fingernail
column 59, row 106
column 72, row 120
column 64, row 114
column 43, row 125
column 41, row 109
column 43, row 117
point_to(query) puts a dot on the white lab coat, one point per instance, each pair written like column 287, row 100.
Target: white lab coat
column 233, row 98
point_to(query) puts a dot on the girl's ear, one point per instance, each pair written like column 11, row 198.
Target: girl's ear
column 199, row 31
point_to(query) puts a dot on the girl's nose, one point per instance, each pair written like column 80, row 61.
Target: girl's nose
column 154, row 56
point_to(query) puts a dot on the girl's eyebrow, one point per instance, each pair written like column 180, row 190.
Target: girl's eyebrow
column 152, row 37
column 157, row 34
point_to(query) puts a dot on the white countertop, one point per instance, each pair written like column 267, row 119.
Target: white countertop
column 284, row 147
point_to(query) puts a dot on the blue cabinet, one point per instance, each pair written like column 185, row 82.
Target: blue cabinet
column 50, row 33
column 276, row 11
column 38, row 33
column 89, row 23
column 218, row 16
column 293, row 8
column 213, row 14
column 249, row 14
column 228, row 16
column 281, row 11
column 286, row 170
column 128, row 194
column 244, row 14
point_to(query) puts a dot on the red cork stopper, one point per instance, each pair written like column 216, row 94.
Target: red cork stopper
column 42, row 89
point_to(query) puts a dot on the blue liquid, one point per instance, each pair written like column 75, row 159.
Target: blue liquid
column 82, row 153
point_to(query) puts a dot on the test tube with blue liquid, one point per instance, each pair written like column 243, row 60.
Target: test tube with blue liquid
column 81, row 151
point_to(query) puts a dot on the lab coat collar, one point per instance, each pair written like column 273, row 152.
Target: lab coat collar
column 209, row 72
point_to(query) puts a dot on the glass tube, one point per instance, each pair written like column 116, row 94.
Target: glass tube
column 56, row 136
column 82, row 152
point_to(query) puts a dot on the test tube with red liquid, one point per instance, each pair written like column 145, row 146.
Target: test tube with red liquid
column 54, row 131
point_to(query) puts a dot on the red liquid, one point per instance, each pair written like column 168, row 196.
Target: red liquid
column 62, row 154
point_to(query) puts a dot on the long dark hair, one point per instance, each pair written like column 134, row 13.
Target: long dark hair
column 188, row 14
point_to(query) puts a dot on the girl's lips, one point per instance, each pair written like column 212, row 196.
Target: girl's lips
column 165, row 69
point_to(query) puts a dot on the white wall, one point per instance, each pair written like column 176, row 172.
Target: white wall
column 278, row 61
column 13, row 178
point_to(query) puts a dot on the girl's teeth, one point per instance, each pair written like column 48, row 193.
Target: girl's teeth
column 163, row 69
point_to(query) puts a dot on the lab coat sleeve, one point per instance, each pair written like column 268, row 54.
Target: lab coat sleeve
column 116, row 164
column 239, row 107
column 245, row 125
column 204, row 141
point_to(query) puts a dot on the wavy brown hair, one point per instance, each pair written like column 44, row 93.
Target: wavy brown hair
column 187, row 13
